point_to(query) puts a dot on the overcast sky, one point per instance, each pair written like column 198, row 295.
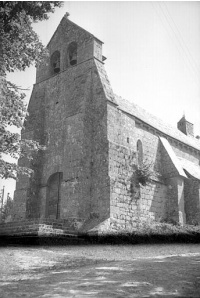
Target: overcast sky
column 152, row 50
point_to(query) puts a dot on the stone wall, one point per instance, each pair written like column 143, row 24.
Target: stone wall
column 192, row 200
column 96, row 114
column 175, row 211
column 45, row 227
column 131, row 204
column 27, row 189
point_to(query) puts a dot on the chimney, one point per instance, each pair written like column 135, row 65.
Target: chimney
column 186, row 127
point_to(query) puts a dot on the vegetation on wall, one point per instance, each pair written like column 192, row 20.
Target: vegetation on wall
column 143, row 173
column 19, row 48
column 141, row 176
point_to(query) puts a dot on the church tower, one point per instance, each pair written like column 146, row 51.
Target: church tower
column 68, row 115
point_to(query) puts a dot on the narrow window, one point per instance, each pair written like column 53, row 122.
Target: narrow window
column 139, row 153
column 55, row 62
column 72, row 53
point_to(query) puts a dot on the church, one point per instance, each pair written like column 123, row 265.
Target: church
column 108, row 164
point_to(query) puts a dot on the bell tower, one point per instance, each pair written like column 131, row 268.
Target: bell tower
column 67, row 114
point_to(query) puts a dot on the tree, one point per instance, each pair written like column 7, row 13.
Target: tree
column 6, row 209
column 19, row 48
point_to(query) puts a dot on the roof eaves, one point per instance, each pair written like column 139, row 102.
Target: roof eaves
column 194, row 146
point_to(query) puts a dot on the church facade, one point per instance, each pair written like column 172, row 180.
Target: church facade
column 107, row 163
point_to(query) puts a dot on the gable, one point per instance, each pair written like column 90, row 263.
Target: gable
column 85, row 45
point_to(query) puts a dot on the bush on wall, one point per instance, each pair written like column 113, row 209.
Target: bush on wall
column 141, row 176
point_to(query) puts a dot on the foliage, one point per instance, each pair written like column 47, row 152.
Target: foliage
column 148, row 232
column 20, row 44
column 19, row 48
column 6, row 209
column 143, row 173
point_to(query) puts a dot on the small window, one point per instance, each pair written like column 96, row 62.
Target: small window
column 72, row 53
column 139, row 153
column 55, row 62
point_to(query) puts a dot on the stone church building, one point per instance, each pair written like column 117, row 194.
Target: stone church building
column 107, row 163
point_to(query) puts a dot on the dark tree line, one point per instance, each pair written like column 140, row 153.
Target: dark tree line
column 19, row 48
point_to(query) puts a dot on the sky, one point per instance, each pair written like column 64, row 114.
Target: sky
column 152, row 51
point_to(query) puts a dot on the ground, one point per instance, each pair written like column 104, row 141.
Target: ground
column 100, row 271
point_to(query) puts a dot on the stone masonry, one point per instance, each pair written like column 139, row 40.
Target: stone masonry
column 96, row 144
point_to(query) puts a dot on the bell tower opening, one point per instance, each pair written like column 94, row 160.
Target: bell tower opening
column 72, row 53
column 55, row 62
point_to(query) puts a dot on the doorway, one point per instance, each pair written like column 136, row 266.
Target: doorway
column 53, row 196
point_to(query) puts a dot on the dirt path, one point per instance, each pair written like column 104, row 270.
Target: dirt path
column 100, row 271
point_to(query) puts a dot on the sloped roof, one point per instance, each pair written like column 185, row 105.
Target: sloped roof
column 173, row 157
column 190, row 167
column 155, row 122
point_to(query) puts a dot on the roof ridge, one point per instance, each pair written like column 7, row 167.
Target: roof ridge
column 155, row 122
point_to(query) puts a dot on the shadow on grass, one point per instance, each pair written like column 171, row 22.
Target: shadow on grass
column 111, row 239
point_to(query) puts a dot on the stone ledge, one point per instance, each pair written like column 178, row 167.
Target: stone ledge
column 38, row 228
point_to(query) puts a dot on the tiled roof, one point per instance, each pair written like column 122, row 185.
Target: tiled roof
column 155, row 122
column 173, row 157
column 190, row 167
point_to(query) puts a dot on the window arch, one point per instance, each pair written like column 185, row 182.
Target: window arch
column 139, row 153
column 72, row 53
column 55, row 62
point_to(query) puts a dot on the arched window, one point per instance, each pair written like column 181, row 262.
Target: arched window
column 139, row 153
column 72, row 53
column 53, row 196
column 55, row 62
